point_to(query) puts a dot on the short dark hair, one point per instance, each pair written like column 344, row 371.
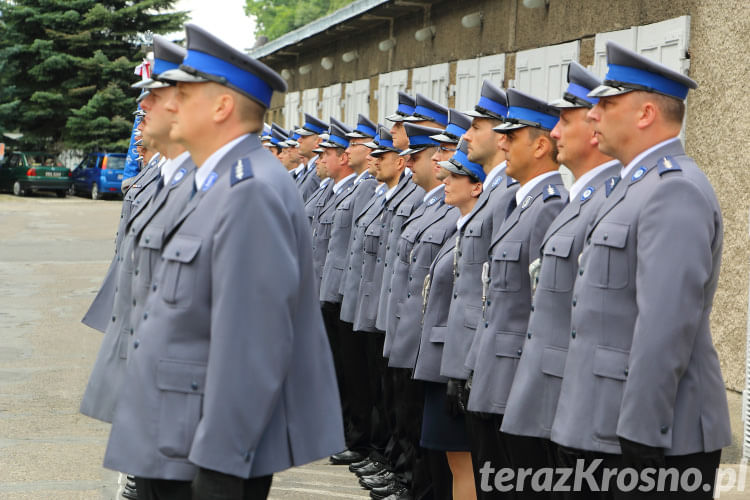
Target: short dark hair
column 535, row 133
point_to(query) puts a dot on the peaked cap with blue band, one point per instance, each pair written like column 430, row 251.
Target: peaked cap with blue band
column 428, row 110
column 312, row 126
column 420, row 138
column 580, row 82
column 336, row 137
column 525, row 110
column 167, row 55
column 278, row 138
column 364, row 129
column 459, row 163
column 458, row 124
column 373, row 144
column 493, row 103
column 340, row 124
column 406, row 105
column 628, row 71
column 265, row 135
column 385, row 143
column 210, row 59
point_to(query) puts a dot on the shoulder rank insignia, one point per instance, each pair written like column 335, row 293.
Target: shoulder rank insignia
column 432, row 201
column 511, row 181
column 638, row 174
column 586, row 195
column 242, row 170
column 610, row 184
column 210, row 180
column 526, row 202
column 178, row 176
column 668, row 164
column 551, row 191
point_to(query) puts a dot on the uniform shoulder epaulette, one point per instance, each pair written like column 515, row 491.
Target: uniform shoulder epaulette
column 240, row 171
column 551, row 191
column 668, row 164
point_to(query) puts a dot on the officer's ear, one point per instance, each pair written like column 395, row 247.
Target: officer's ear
column 476, row 189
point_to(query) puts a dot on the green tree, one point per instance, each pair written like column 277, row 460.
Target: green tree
column 66, row 67
column 276, row 17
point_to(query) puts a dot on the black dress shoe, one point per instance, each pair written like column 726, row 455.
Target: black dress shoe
column 346, row 457
column 404, row 494
column 386, row 491
column 358, row 465
column 377, row 481
column 369, row 470
column 129, row 493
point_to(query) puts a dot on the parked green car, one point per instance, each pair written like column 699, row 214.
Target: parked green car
column 27, row 172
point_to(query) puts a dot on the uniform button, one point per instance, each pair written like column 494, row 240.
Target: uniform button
column 133, row 301
column 519, row 352
column 574, row 302
column 147, row 240
column 408, row 295
column 532, row 307
column 414, row 259
column 455, row 295
column 488, row 303
column 553, row 249
column 471, row 230
column 145, row 315
column 388, row 247
column 626, row 371
column 194, row 385
column 486, row 324
column 136, row 272
column 350, row 268
column 136, row 344
column 460, row 254
column 247, row 456
column 664, row 429
column 381, row 243
column 117, row 289
column 605, row 236
column 378, row 260
column 113, row 319
column 398, row 254
column 458, row 274
column 177, row 253
column 573, row 334
column 580, row 272
column 131, row 331
column 528, row 335
column 409, row 278
column 505, row 254
column 153, row 288
column 389, row 290
column 386, row 264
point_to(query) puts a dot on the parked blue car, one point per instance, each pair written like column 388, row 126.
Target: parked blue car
column 99, row 175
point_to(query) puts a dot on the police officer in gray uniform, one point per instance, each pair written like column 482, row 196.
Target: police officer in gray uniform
column 536, row 386
column 323, row 193
column 223, row 393
column 642, row 379
column 103, row 387
column 506, row 284
column 307, row 181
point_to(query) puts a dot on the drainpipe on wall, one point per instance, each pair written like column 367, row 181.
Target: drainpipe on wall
column 746, row 392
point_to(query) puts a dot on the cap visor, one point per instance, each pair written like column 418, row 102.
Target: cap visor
column 411, row 151
column 143, row 96
column 476, row 114
column 358, row 135
column 506, row 127
column 150, row 84
column 444, row 138
column 563, row 103
column 395, row 117
column 413, row 119
column 178, row 75
column 302, row 131
column 317, row 150
column 450, row 167
column 607, row 91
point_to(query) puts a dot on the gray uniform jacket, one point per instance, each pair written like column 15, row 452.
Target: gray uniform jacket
column 436, row 304
column 349, row 288
column 398, row 216
column 420, row 243
column 471, row 253
column 308, row 180
column 322, row 228
column 536, row 386
column 231, row 369
column 98, row 314
column 340, row 221
column 102, row 390
column 641, row 363
column 374, row 273
column 317, row 201
column 502, row 331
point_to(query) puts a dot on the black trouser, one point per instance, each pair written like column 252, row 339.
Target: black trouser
column 533, row 454
column 705, row 463
column 383, row 418
column 440, row 474
column 488, row 454
column 255, row 488
column 330, row 320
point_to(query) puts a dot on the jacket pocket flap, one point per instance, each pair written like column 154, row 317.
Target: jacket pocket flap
column 471, row 316
column 181, row 376
column 373, row 230
column 610, row 234
column 437, row 334
column 405, row 209
column 152, row 237
column 473, row 229
column 559, row 246
column 553, row 361
column 410, row 234
column 345, row 205
column 507, row 250
column 509, row 344
column 326, row 219
column 434, row 235
column 182, row 248
column 611, row 363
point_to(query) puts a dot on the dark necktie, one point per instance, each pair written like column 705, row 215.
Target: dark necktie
column 511, row 206
column 195, row 189
column 160, row 184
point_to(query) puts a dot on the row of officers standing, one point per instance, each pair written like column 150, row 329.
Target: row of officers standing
column 483, row 320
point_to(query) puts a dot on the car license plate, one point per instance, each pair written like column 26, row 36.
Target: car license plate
column 53, row 174
column 119, row 177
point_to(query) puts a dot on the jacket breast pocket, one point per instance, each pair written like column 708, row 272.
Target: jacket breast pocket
column 610, row 367
column 608, row 266
column 473, row 244
column 403, row 211
column 406, row 243
column 506, row 266
column 372, row 238
column 558, row 270
column 433, row 237
column 324, row 227
column 344, row 213
column 152, row 240
column 179, row 277
column 181, row 387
